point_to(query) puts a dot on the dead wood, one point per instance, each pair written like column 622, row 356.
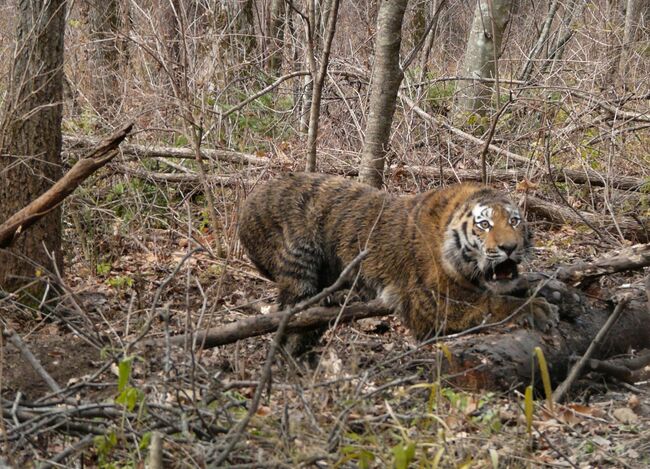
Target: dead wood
column 105, row 151
column 561, row 391
column 503, row 360
column 180, row 178
column 637, row 229
column 312, row 318
column 631, row 258
column 72, row 142
column 498, row 359
column 236, row 432
column 629, row 370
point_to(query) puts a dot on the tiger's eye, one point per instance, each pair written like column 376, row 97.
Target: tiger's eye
column 514, row 221
column 484, row 225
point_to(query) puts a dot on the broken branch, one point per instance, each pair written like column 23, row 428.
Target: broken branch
column 312, row 318
column 51, row 198
column 633, row 258
column 636, row 229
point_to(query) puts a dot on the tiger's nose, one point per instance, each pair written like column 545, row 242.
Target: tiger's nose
column 508, row 248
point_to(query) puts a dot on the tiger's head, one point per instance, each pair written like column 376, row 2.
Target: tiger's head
column 485, row 241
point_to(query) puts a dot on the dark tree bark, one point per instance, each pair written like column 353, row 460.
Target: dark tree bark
column 276, row 36
column 386, row 78
column 30, row 137
column 82, row 169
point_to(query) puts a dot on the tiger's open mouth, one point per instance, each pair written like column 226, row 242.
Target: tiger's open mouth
column 503, row 272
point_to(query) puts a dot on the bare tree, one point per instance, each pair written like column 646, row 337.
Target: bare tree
column 481, row 58
column 30, row 137
column 432, row 16
column 542, row 41
column 387, row 76
column 572, row 11
column 315, row 29
column 318, row 76
column 635, row 12
column 104, row 23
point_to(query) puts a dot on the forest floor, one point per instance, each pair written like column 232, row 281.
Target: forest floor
column 375, row 398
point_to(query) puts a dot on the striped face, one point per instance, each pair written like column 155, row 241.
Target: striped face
column 485, row 242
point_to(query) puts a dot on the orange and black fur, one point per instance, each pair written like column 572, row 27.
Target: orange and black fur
column 446, row 260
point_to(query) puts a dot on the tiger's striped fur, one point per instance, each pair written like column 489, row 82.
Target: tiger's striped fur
column 430, row 255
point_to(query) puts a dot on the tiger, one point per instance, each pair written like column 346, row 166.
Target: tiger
column 446, row 260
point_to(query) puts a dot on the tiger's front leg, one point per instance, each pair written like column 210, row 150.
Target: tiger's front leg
column 535, row 311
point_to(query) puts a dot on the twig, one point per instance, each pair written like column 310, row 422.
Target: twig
column 259, row 325
column 411, row 56
column 547, row 158
column 490, row 136
column 262, row 92
column 626, row 370
column 464, row 135
column 154, row 305
column 561, row 390
column 155, row 451
column 318, row 80
column 33, row 361
column 151, row 151
column 633, row 228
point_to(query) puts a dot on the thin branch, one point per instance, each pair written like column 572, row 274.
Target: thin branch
column 562, row 389
column 411, row 56
column 33, row 361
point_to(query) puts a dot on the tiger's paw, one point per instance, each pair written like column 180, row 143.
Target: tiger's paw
column 541, row 314
column 341, row 297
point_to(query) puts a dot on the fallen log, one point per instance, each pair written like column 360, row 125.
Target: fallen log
column 504, row 360
column 105, row 151
column 180, row 178
column 637, row 229
column 312, row 318
column 72, row 142
column 632, row 258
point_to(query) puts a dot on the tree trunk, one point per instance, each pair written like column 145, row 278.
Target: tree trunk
column 30, row 138
column 481, row 56
column 168, row 13
column 386, row 78
column 318, row 81
column 433, row 14
column 542, row 41
column 572, row 10
column 635, row 11
column 104, row 21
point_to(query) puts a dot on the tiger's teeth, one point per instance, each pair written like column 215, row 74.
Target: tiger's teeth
column 494, row 276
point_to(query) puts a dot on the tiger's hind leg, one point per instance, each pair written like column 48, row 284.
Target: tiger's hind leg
column 299, row 279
